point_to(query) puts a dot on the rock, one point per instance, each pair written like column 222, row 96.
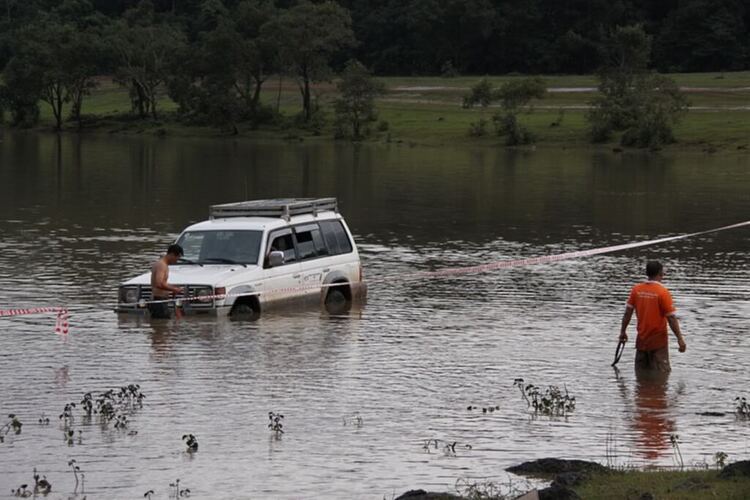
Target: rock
column 741, row 468
column 569, row 479
column 556, row 492
column 556, row 466
column 424, row 495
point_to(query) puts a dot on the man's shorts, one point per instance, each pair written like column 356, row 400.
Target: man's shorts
column 653, row 361
column 159, row 310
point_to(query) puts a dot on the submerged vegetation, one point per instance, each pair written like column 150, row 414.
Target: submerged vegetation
column 549, row 402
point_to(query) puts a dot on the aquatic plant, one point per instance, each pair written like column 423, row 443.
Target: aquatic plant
column 674, row 439
column 353, row 419
column 720, row 459
column 551, row 401
column 67, row 416
column 491, row 490
column 76, row 470
column 191, row 442
column 41, row 486
column 176, row 492
column 13, row 423
column 148, row 494
column 275, row 424
column 485, row 409
column 87, row 403
column 44, row 420
column 21, row 491
column 448, row 447
column 68, row 435
column 742, row 408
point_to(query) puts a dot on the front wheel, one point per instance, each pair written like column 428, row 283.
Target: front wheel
column 244, row 311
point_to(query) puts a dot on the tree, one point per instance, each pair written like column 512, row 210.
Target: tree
column 514, row 96
column 55, row 61
column 218, row 79
column 143, row 48
column 633, row 99
column 355, row 107
column 704, row 35
column 308, row 37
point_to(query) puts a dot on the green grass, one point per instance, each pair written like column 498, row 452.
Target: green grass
column 686, row 485
column 429, row 115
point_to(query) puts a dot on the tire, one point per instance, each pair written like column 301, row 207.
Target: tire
column 244, row 311
column 336, row 301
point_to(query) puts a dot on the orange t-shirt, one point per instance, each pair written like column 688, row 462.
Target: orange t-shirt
column 652, row 303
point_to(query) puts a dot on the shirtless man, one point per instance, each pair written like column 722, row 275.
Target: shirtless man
column 160, row 287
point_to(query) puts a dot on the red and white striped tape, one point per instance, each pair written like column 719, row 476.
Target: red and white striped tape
column 61, row 326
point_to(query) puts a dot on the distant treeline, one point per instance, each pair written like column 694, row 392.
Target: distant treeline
column 213, row 57
column 415, row 37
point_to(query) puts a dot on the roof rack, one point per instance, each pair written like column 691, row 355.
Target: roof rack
column 284, row 208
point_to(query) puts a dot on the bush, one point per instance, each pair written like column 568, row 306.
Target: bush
column 507, row 125
column 478, row 129
column 383, row 126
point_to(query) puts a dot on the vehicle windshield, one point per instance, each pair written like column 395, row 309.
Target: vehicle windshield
column 220, row 247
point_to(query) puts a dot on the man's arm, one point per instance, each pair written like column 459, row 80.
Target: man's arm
column 675, row 326
column 626, row 317
column 161, row 279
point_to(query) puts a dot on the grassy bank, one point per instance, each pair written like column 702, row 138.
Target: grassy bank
column 427, row 111
column 686, row 485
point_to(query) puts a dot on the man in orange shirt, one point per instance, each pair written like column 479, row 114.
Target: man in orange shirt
column 653, row 306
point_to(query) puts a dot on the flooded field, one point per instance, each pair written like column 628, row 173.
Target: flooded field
column 79, row 215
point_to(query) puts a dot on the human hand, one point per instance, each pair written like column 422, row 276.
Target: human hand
column 623, row 337
column 682, row 345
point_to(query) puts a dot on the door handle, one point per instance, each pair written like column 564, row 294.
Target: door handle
column 296, row 276
column 326, row 270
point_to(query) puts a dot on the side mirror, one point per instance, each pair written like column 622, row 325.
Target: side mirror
column 276, row 259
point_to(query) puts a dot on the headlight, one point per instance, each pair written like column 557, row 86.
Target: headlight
column 201, row 291
column 129, row 295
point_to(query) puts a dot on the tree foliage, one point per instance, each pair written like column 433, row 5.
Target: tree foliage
column 513, row 96
column 633, row 99
column 355, row 108
column 308, row 36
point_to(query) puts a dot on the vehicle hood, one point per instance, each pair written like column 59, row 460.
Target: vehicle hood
column 209, row 274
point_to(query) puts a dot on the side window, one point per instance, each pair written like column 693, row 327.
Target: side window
column 310, row 242
column 335, row 237
column 282, row 242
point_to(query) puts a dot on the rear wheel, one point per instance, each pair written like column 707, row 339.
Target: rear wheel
column 337, row 301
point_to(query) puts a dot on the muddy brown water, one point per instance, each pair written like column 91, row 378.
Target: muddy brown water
column 81, row 214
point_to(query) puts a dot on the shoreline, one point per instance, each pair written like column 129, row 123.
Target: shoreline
column 574, row 479
column 427, row 112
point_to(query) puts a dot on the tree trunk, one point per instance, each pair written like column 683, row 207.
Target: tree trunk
column 57, row 104
column 256, row 94
column 306, row 99
column 278, row 96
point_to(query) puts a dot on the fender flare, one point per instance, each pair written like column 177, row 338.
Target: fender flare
column 230, row 301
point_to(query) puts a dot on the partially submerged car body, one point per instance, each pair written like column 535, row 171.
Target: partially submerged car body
column 251, row 256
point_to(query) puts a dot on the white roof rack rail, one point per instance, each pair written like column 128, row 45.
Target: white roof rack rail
column 284, row 208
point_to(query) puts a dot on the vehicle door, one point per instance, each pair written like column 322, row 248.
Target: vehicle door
column 313, row 254
column 283, row 281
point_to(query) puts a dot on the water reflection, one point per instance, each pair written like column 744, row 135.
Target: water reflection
column 83, row 213
column 652, row 421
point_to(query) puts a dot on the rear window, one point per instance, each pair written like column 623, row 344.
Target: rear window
column 310, row 242
column 335, row 236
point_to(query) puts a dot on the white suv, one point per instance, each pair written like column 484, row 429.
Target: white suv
column 260, row 254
